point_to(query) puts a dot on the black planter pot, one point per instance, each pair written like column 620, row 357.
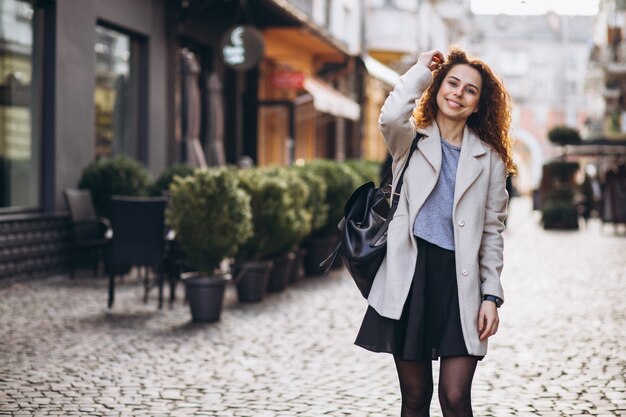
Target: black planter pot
column 205, row 295
column 317, row 249
column 252, row 279
column 281, row 273
column 297, row 269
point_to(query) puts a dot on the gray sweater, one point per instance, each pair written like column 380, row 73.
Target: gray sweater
column 433, row 222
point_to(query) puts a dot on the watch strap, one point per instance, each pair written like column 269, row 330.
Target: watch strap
column 496, row 300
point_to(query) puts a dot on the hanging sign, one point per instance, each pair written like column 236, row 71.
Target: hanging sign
column 242, row 47
column 287, row 80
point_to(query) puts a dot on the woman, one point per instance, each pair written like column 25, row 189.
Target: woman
column 436, row 293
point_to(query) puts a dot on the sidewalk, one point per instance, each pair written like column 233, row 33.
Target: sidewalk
column 560, row 351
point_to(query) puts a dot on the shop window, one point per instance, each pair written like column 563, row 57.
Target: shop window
column 119, row 94
column 20, row 147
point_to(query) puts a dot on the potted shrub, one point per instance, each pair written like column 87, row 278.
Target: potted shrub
column 272, row 215
column 291, row 231
column 558, row 214
column 211, row 217
column 318, row 209
column 106, row 177
column 162, row 183
column 366, row 170
column 340, row 181
column 558, row 208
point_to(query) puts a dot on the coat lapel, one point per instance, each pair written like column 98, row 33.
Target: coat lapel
column 469, row 167
column 423, row 176
column 430, row 146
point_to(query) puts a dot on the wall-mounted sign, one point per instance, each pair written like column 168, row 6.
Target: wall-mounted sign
column 242, row 47
column 287, row 80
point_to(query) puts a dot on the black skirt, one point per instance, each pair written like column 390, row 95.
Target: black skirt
column 430, row 324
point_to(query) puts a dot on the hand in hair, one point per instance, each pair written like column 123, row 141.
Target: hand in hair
column 431, row 59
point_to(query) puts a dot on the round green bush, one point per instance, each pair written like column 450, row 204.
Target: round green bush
column 162, row 183
column 106, row 177
column 298, row 198
column 211, row 216
column 341, row 182
column 316, row 202
column 366, row 170
column 275, row 220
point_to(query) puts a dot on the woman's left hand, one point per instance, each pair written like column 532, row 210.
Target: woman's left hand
column 488, row 319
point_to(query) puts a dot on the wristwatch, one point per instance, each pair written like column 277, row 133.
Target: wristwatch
column 489, row 297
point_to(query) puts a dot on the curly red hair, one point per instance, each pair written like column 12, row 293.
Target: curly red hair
column 492, row 121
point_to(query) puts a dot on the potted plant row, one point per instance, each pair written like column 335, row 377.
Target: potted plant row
column 265, row 219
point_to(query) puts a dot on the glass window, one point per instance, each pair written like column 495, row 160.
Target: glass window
column 116, row 94
column 304, row 5
column 19, row 146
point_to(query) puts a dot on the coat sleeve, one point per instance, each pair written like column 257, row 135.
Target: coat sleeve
column 492, row 243
column 395, row 117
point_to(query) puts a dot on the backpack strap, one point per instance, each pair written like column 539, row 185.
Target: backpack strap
column 396, row 194
column 327, row 263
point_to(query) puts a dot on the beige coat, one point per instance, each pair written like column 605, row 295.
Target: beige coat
column 480, row 201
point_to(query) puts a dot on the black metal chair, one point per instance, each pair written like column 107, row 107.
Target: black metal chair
column 138, row 225
column 174, row 255
column 174, row 260
column 89, row 230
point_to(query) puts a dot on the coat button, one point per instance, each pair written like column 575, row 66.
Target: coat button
column 465, row 272
column 461, row 223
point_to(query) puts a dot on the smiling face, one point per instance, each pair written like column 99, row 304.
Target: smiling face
column 459, row 93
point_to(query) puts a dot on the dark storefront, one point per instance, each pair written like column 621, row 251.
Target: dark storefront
column 83, row 79
column 78, row 80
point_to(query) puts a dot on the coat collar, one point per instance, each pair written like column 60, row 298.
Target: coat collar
column 430, row 145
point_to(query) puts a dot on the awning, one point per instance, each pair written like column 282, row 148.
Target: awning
column 596, row 147
column 380, row 71
column 328, row 100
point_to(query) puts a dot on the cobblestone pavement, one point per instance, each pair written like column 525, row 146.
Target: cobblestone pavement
column 561, row 350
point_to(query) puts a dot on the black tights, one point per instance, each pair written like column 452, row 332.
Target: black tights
column 455, row 385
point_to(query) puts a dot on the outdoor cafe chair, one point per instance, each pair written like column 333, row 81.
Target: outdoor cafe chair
column 138, row 225
column 88, row 229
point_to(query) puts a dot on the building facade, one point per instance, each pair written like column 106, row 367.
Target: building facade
column 606, row 72
column 163, row 81
column 396, row 32
column 542, row 60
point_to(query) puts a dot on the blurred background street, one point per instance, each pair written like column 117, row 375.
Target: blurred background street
column 559, row 352
column 152, row 145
